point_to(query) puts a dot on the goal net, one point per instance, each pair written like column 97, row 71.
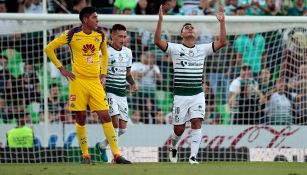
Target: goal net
column 255, row 88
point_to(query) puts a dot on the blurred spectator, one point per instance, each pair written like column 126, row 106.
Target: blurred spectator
column 244, row 98
column 231, row 7
column 190, row 7
column 298, row 89
column 170, row 7
column 159, row 117
column 298, row 8
column 5, row 75
column 142, row 8
column 271, row 8
column 103, row 7
column 147, row 75
column 135, row 117
column 55, row 104
column 210, row 104
column 77, row 6
column 127, row 11
column 3, row 8
column 250, row 50
column 120, row 5
column 67, row 116
column 29, row 84
column 265, row 83
column 295, row 52
column 33, row 6
column 279, row 108
column 21, row 136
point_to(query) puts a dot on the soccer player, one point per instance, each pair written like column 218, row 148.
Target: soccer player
column 189, row 99
column 87, row 78
column 119, row 70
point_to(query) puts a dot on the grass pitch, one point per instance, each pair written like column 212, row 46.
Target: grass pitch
column 208, row 168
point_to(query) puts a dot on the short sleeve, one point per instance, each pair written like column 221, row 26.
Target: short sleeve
column 170, row 48
column 130, row 58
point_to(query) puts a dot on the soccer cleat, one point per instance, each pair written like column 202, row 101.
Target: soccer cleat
column 173, row 155
column 86, row 159
column 121, row 160
column 102, row 152
column 192, row 160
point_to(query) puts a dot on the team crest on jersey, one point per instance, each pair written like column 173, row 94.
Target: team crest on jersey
column 191, row 53
column 73, row 97
column 120, row 57
column 176, row 118
column 97, row 39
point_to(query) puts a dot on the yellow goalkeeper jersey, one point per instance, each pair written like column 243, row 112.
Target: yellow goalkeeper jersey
column 85, row 52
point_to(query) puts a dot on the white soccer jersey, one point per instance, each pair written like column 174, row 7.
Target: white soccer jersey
column 188, row 66
column 119, row 61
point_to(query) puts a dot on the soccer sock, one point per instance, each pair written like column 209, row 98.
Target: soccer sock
column 82, row 138
column 111, row 137
column 105, row 142
column 175, row 140
column 195, row 141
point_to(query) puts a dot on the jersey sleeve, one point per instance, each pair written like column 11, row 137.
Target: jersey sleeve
column 104, row 58
column 56, row 43
column 170, row 48
column 130, row 58
column 209, row 48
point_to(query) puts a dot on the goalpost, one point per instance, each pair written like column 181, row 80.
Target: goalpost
column 275, row 47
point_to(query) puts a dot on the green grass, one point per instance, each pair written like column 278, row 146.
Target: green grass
column 210, row 168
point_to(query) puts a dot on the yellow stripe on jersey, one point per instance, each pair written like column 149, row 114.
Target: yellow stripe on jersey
column 85, row 52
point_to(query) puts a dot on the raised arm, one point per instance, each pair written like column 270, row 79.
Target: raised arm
column 221, row 42
column 160, row 43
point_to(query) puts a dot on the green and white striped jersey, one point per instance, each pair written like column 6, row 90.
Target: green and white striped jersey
column 119, row 61
column 188, row 66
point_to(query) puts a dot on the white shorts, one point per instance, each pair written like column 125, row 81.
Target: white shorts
column 188, row 107
column 118, row 106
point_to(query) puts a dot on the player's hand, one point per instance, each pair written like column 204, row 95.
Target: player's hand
column 220, row 16
column 68, row 75
column 103, row 79
column 161, row 13
column 135, row 88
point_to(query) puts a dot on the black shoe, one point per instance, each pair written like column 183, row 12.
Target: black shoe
column 173, row 157
column 121, row 160
column 86, row 160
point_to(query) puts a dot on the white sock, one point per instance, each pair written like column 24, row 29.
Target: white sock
column 175, row 140
column 195, row 141
column 105, row 142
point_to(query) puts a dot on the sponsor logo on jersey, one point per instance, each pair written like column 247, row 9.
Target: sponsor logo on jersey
column 88, row 48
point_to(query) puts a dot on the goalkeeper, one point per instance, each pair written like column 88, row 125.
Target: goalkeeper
column 87, row 78
column 189, row 99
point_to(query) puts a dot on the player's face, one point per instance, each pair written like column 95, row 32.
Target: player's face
column 188, row 31
column 118, row 38
column 91, row 21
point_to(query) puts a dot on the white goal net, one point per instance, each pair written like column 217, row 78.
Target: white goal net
column 260, row 121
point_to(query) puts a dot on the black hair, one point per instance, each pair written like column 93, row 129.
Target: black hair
column 186, row 24
column 86, row 11
column 118, row 27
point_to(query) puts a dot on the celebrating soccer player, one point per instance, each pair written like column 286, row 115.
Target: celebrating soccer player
column 120, row 60
column 87, row 78
column 189, row 99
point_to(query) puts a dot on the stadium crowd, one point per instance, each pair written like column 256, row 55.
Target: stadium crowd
column 261, row 77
